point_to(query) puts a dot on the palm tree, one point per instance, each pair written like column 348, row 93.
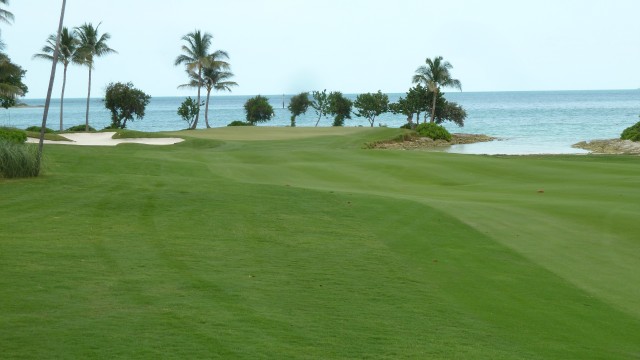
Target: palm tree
column 91, row 46
column 435, row 75
column 215, row 75
column 5, row 16
column 196, row 57
column 67, row 54
column 54, row 63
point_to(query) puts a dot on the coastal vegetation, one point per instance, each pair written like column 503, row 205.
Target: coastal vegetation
column 68, row 54
column 216, row 75
column 298, row 105
column 189, row 110
column 91, row 45
column 11, row 75
column 434, row 75
column 204, row 68
column 298, row 243
column 258, row 110
column 631, row 133
column 339, row 107
column 125, row 103
column 320, row 104
column 371, row 105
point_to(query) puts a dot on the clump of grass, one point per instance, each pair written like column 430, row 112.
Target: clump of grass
column 18, row 160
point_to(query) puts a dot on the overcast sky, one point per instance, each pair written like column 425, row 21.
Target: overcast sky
column 354, row 46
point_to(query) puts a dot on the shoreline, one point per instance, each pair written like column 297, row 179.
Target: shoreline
column 424, row 143
column 610, row 146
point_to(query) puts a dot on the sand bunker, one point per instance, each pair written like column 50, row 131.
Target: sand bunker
column 106, row 139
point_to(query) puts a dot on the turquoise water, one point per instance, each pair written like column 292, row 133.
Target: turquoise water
column 526, row 122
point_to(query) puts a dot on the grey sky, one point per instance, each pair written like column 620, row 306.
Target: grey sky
column 287, row 46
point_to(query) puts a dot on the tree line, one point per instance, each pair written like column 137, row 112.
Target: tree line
column 425, row 98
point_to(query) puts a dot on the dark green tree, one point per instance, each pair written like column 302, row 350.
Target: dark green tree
column 125, row 103
column 434, row 75
column 371, row 105
column 298, row 105
column 413, row 104
column 66, row 54
column 258, row 110
column 339, row 108
column 320, row 104
column 188, row 111
column 11, row 85
column 91, row 46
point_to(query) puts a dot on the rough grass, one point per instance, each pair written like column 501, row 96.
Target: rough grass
column 307, row 246
column 18, row 160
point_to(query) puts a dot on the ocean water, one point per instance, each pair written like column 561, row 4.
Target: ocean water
column 546, row 122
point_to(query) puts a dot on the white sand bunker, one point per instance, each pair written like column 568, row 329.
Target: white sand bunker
column 106, row 139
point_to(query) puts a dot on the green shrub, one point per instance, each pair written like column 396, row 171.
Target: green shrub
column 18, row 160
column 631, row 133
column 37, row 129
column 80, row 128
column 433, row 131
column 13, row 134
column 239, row 123
column 408, row 126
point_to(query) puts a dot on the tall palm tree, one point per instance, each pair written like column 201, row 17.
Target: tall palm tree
column 434, row 76
column 54, row 63
column 66, row 54
column 196, row 57
column 91, row 46
column 215, row 75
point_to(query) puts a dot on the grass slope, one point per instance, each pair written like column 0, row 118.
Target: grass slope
column 294, row 243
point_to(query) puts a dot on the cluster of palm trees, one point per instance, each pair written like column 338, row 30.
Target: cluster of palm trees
column 80, row 45
column 205, row 68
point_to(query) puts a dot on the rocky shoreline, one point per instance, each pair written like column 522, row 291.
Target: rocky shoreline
column 610, row 146
column 417, row 143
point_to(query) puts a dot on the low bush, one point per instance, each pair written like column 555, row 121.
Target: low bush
column 37, row 129
column 433, row 131
column 239, row 123
column 79, row 128
column 13, row 135
column 18, row 160
column 631, row 133
column 408, row 126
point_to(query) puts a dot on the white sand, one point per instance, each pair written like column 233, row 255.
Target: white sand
column 105, row 139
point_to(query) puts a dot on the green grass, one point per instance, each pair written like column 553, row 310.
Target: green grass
column 47, row 136
column 298, row 243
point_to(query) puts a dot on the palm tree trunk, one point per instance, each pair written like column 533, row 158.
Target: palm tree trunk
column 64, row 84
column 195, row 122
column 86, row 127
column 206, row 109
column 50, row 89
column 433, row 107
